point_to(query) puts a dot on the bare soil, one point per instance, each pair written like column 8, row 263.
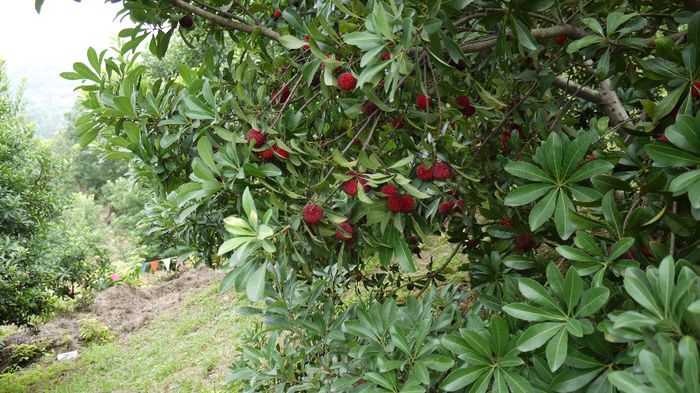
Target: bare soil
column 122, row 308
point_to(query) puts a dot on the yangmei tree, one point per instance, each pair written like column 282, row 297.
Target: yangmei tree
column 318, row 145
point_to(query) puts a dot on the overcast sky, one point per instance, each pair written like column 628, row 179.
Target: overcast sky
column 37, row 48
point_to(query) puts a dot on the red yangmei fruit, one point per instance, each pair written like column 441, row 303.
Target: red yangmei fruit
column 350, row 186
column 445, row 208
column 266, row 154
column 590, row 157
column 369, row 108
column 186, row 22
column 346, row 81
column 560, row 39
column 646, row 251
column 386, row 55
column 463, row 101
column 281, row 96
column 256, row 135
column 388, row 190
column 695, row 89
column 424, row 173
column 441, row 171
column 663, row 138
column 459, row 205
column 395, row 203
column 398, row 122
column 525, row 242
column 422, row 102
column 313, row 213
column 505, row 222
column 215, row 149
column 407, row 203
column 280, row 151
column 277, row 14
column 345, row 232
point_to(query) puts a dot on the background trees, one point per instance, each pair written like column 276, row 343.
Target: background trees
column 316, row 145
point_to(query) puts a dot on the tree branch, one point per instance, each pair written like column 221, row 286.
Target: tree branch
column 578, row 90
column 220, row 20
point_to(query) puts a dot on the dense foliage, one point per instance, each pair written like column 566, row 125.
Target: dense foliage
column 315, row 146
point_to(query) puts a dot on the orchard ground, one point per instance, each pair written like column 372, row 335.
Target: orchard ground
column 178, row 334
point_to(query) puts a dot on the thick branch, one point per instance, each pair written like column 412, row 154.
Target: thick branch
column 220, row 20
column 538, row 33
column 606, row 98
column 576, row 89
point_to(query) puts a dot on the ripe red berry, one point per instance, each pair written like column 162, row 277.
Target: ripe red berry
column 442, row 171
column 350, row 186
column 590, row 157
column 424, row 173
column 186, row 22
column 388, row 190
column 646, row 251
column 445, row 208
column 407, row 203
column 369, row 108
column 695, row 89
column 313, row 213
column 505, row 222
column 215, row 149
column 459, row 205
column 266, row 154
column 560, row 39
column 386, row 55
column 468, row 109
column 280, row 151
column 346, row 81
column 395, row 203
column 256, row 135
column 345, row 232
column 525, row 242
column 398, row 122
column 423, row 102
column 663, row 138
column 277, row 14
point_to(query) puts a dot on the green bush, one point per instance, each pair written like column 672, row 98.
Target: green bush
column 23, row 354
column 555, row 143
column 93, row 331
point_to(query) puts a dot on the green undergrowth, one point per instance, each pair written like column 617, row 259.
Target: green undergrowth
column 187, row 351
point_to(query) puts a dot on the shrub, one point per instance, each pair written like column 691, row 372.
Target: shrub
column 93, row 331
column 23, row 354
column 554, row 143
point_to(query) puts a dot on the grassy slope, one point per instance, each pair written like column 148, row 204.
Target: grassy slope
column 185, row 352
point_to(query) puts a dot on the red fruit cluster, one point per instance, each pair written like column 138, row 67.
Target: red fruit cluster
column 386, row 55
column 424, row 173
column 266, row 154
column 306, row 47
column 369, row 108
column 442, row 171
column 256, row 135
column 186, row 22
column 448, row 207
column 277, row 14
column 280, row 151
column 312, row 213
column 345, row 233
column 350, row 186
column 423, row 102
column 695, row 89
column 506, row 136
column 525, row 242
column 468, row 109
column 505, row 222
column 401, row 203
column 388, row 190
column 281, row 96
column 398, row 122
column 346, row 81
column 560, row 39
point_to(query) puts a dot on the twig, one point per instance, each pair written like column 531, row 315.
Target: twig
column 437, row 271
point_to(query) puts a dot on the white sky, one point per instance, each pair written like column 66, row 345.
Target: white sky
column 37, row 48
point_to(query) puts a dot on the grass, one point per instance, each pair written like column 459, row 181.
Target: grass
column 185, row 352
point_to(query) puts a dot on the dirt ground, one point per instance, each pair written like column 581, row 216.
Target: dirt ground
column 122, row 308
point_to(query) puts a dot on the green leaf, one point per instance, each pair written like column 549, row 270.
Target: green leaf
column 204, row 149
column 437, row 362
column 556, row 349
column 620, row 247
column 462, row 377
column 667, row 274
column 616, row 19
column 572, row 380
column 537, row 335
column 255, row 289
column 684, row 134
column 364, row 40
column 638, row 287
column 573, row 288
column 527, row 171
column 249, row 207
column 590, row 169
column 403, row 254
column 594, row 25
column 612, row 215
column 534, row 291
column 666, row 105
column 543, row 210
column 584, row 42
column 526, row 194
column 531, row 313
column 665, row 155
column 524, row 35
column 562, row 220
column 369, row 72
column 291, row 42
column 591, row 301
column 516, row 383
column 626, row 382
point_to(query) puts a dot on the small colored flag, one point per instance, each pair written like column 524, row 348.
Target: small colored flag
column 115, row 277
column 166, row 263
column 154, row 265
column 143, row 267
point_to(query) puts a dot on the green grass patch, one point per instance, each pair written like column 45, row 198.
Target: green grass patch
column 188, row 351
